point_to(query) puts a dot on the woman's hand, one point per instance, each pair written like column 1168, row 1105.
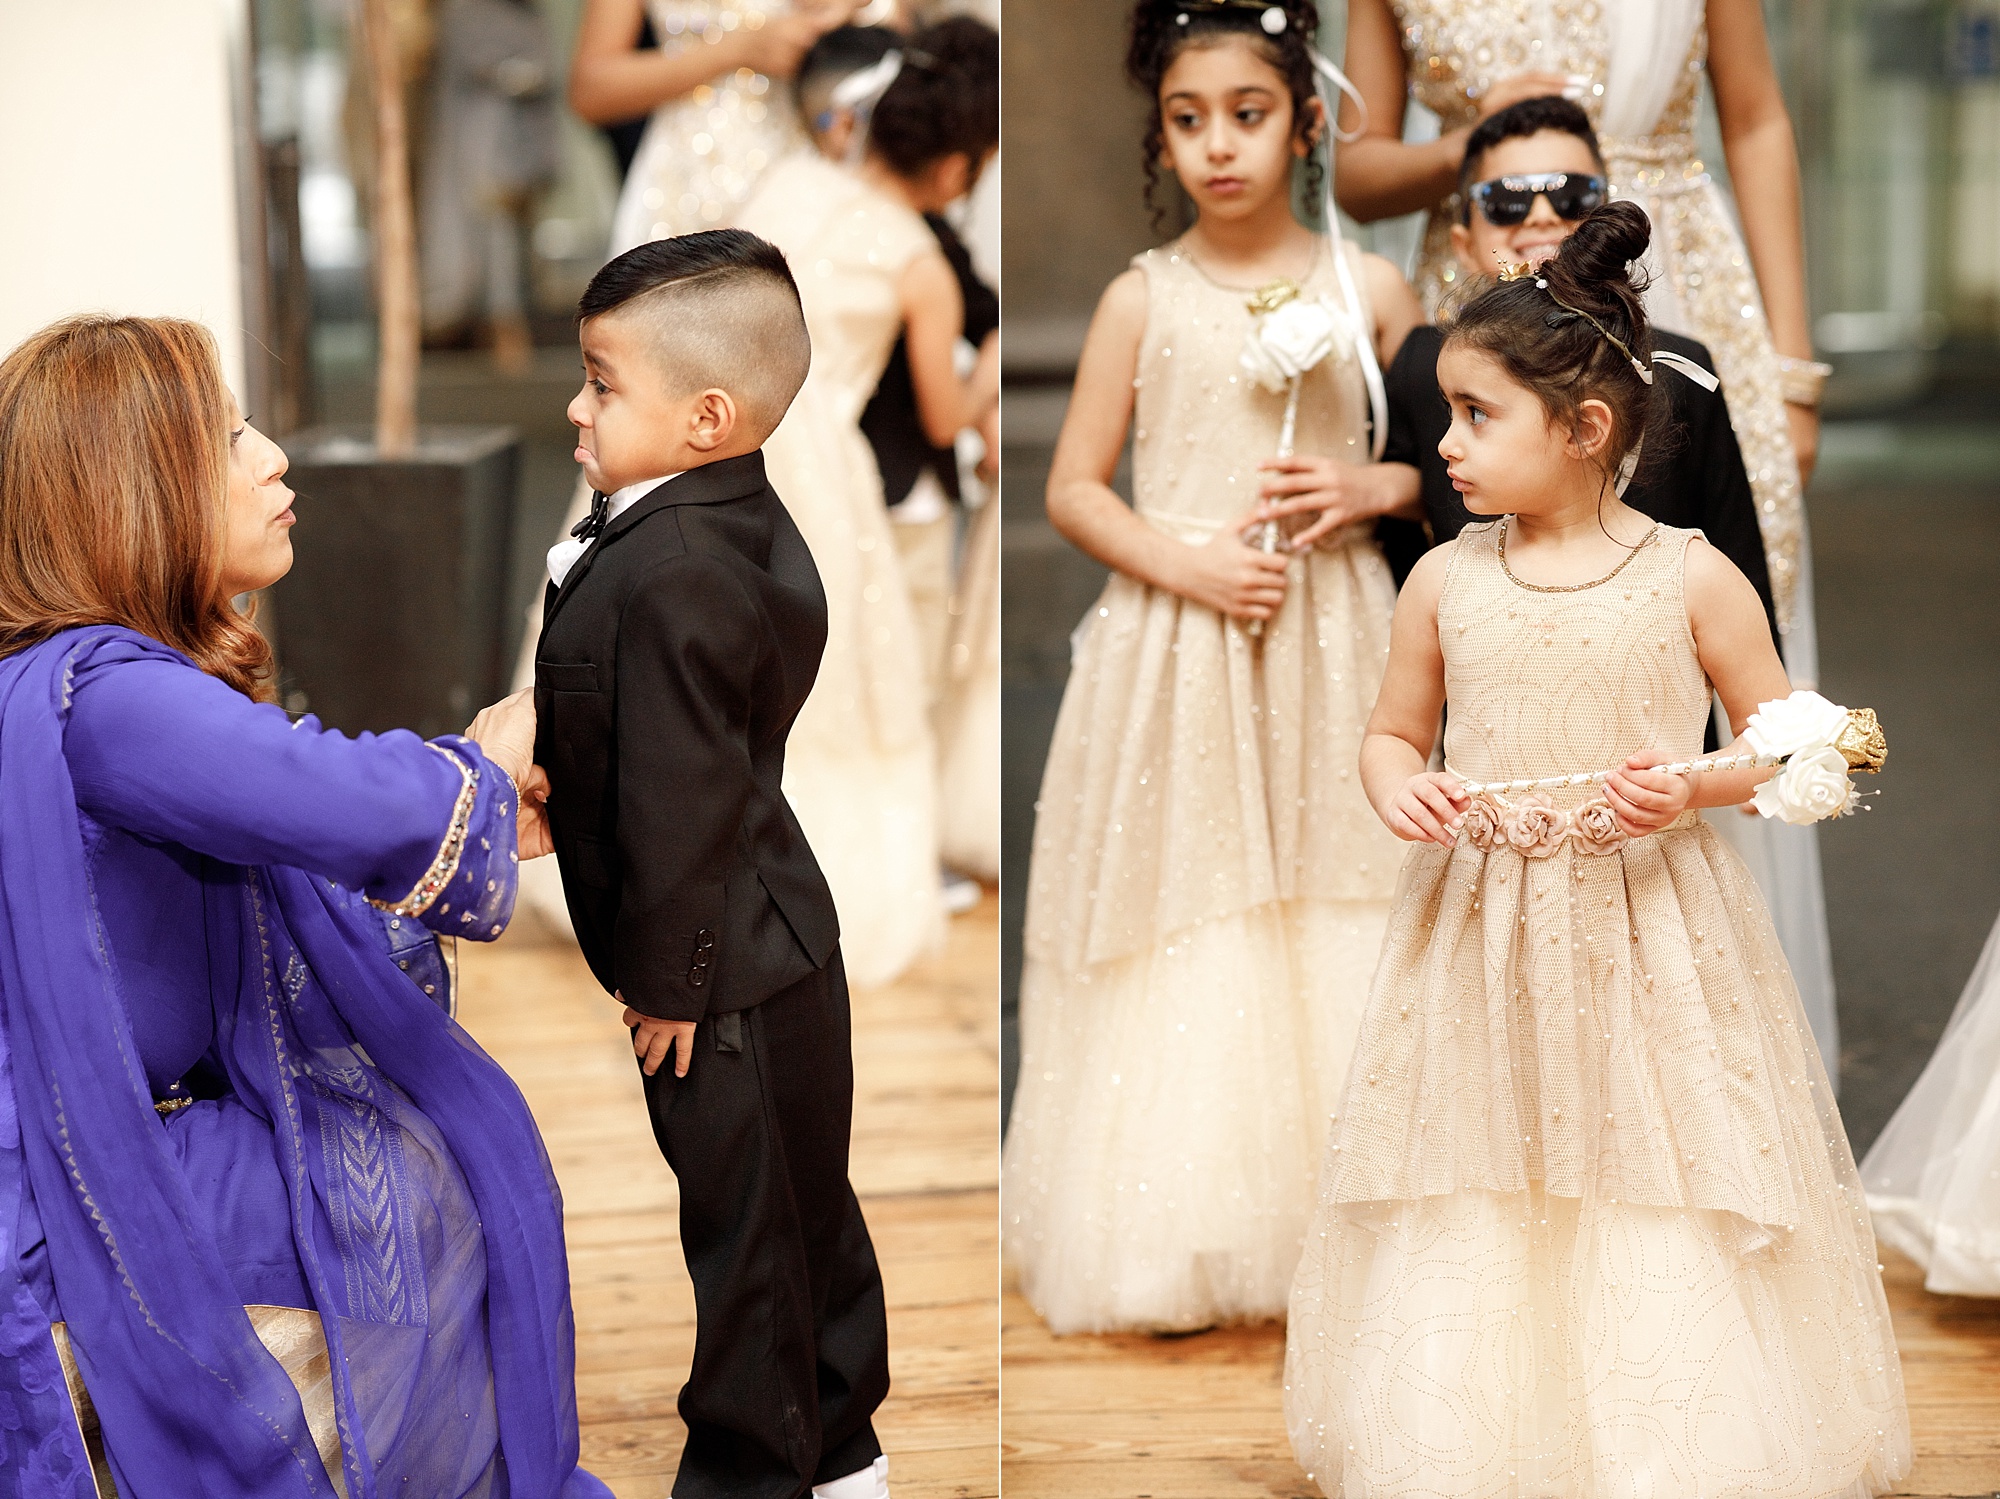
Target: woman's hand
column 778, row 47
column 1511, row 91
column 1804, row 422
column 505, row 734
column 1646, row 800
column 1338, row 493
column 1230, row 576
column 1427, row 808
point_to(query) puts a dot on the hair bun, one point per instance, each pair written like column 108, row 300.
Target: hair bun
column 1605, row 243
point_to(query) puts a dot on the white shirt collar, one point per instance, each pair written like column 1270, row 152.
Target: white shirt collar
column 564, row 554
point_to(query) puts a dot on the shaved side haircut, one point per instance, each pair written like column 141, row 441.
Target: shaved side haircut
column 719, row 310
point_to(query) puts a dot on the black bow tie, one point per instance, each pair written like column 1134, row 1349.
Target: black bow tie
column 587, row 529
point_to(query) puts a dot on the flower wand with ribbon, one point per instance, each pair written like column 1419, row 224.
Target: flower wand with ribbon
column 1817, row 745
column 1289, row 335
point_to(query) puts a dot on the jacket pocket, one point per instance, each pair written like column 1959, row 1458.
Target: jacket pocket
column 562, row 676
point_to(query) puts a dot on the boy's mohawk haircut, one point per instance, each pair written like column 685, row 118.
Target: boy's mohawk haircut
column 713, row 254
column 718, row 309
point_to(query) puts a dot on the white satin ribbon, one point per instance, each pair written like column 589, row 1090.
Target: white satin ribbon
column 1329, row 82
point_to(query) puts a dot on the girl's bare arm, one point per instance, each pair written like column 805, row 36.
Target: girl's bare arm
column 1225, row 574
column 933, row 319
column 1415, row 803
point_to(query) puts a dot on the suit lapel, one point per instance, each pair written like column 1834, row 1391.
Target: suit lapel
column 731, row 479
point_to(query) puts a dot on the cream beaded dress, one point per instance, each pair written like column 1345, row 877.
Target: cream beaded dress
column 1208, row 887
column 1588, row 1224
column 860, row 763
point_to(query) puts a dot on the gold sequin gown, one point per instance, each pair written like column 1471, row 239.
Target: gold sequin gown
column 1588, row 1224
column 1644, row 104
column 1208, row 886
column 703, row 153
column 860, row 764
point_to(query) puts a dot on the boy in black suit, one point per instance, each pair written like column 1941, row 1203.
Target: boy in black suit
column 682, row 632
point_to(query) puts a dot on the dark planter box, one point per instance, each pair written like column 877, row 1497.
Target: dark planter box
column 394, row 615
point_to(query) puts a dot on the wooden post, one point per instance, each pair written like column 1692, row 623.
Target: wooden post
column 395, row 242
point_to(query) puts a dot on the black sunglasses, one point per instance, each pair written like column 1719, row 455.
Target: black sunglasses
column 1505, row 201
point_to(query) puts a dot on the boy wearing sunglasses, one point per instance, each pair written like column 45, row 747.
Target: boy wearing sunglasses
column 1530, row 172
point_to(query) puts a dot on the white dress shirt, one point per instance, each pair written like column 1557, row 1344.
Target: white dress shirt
column 563, row 555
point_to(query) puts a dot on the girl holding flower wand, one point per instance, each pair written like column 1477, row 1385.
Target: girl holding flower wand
column 1588, row 1221
column 1208, row 889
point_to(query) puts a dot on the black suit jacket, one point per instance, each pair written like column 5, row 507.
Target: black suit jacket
column 671, row 665
column 1699, row 483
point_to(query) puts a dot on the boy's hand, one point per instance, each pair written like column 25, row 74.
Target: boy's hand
column 1232, row 577
column 653, row 1039
column 532, row 838
column 1644, row 799
column 1427, row 808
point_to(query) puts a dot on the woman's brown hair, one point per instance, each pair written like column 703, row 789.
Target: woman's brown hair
column 114, row 491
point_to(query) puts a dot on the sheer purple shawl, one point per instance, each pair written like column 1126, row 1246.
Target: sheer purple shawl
column 422, row 1202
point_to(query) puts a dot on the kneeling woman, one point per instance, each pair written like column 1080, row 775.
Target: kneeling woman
column 270, row 1222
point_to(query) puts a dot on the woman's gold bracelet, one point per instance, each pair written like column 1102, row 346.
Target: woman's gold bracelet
column 1802, row 381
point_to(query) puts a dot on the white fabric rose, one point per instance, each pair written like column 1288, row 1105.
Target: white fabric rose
column 1811, row 787
column 1289, row 341
column 1791, row 725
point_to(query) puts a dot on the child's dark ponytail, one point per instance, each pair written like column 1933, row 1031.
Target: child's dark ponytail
column 944, row 102
column 1575, row 329
column 1162, row 29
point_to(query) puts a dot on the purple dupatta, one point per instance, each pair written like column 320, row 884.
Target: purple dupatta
column 423, row 1207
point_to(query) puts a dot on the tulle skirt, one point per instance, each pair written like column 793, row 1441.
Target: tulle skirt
column 1933, row 1176
column 1520, row 1345
column 1159, row 1167
column 1588, row 1226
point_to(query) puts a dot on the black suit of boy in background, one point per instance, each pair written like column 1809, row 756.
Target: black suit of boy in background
column 1699, row 483
column 672, row 662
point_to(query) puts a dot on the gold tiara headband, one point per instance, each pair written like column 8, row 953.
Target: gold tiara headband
column 1515, row 270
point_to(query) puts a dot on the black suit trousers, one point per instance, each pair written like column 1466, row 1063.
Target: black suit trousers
column 791, row 1354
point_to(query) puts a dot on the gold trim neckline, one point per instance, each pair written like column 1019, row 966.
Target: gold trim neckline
column 1501, row 550
column 1181, row 250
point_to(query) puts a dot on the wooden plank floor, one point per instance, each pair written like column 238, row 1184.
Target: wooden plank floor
column 1199, row 1417
column 925, row 1163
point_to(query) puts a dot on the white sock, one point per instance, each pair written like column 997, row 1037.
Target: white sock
column 871, row 1482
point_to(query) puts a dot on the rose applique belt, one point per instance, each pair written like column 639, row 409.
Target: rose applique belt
column 1535, row 827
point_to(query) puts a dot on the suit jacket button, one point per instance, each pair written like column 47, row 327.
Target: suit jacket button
column 704, row 938
column 696, row 978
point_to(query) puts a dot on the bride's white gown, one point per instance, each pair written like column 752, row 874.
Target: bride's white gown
column 1933, row 1176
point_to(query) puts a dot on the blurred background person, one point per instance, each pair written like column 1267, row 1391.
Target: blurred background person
column 716, row 89
column 490, row 148
column 862, row 767
column 926, row 491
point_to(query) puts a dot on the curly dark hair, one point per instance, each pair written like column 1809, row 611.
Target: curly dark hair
column 1545, row 338
column 945, row 102
column 1163, row 29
